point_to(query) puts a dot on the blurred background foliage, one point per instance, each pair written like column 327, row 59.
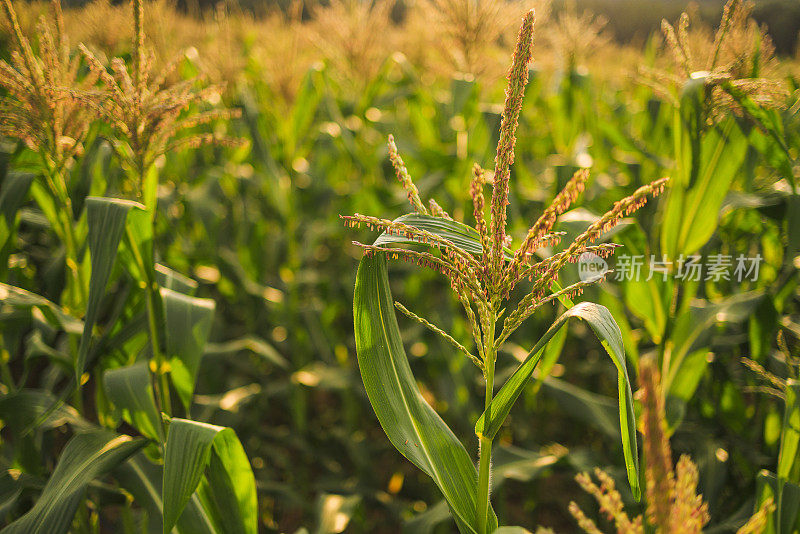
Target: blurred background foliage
column 320, row 86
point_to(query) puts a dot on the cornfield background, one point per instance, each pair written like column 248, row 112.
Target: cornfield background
column 234, row 219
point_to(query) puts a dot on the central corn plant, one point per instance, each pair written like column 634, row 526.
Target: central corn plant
column 483, row 271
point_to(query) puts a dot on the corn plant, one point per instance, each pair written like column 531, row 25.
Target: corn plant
column 723, row 101
column 115, row 355
column 482, row 271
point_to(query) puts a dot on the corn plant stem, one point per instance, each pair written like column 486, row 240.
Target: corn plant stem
column 485, row 451
column 72, row 262
column 58, row 189
column 151, row 300
column 158, row 357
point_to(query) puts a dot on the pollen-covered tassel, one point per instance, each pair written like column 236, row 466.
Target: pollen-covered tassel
column 438, row 211
column 560, row 204
column 405, row 179
column 415, row 234
column 675, row 45
column 728, row 13
column 478, row 204
column 518, row 271
column 517, row 79
column 535, row 300
column 29, row 59
column 626, row 206
column 139, row 72
column 609, row 501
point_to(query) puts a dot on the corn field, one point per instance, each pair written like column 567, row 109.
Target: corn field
column 361, row 266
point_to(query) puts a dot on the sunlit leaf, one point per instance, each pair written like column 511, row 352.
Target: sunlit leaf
column 412, row 426
column 188, row 322
column 131, row 390
column 106, row 219
column 230, row 497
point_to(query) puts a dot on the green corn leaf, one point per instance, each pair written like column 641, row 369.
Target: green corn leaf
column 229, row 497
column 54, row 314
column 228, row 493
column 20, row 409
column 188, row 321
column 131, row 390
column 142, row 478
column 790, row 435
column 459, row 234
column 718, row 169
column 139, row 252
column 693, row 208
column 412, row 426
column 106, row 220
column 86, row 457
column 605, row 328
column 691, row 332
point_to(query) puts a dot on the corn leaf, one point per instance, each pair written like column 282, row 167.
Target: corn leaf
column 131, row 390
column 86, row 457
column 412, row 426
column 230, row 497
column 22, row 408
column 54, row 314
column 459, row 234
column 106, row 220
column 605, row 328
column 228, row 493
column 142, row 478
column 691, row 331
column 188, row 321
column 693, row 205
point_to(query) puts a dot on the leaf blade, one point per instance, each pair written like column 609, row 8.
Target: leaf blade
column 86, row 456
column 605, row 328
column 412, row 426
